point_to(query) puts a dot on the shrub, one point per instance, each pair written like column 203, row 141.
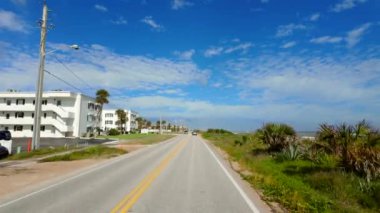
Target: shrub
column 276, row 136
column 291, row 153
column 113, row 132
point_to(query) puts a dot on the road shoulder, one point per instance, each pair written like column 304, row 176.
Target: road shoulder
column 252, row 194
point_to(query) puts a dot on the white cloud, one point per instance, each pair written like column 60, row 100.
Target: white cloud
column 100, row 67
column 12, row 22
column 346, row 4
column 287, row 30
column 319, row 79
column 310, row 89
column 315, row 17
column 19, row 2
column 355, row 35
column 179, row 4
column 213, row 51
column 289, row 45
column 152, row 23
column 178, row 92
column 242, row 47
column 326, row 39
column 101, row 8
column 120, row 21
column 185, row 55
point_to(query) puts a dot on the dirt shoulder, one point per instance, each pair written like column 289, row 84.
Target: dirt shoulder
column 23, row 176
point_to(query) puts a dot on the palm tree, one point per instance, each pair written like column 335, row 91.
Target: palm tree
column 277, row 136
column 102, row 96
column 122, row 119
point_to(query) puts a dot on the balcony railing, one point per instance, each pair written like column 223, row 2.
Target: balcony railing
column 30, row 108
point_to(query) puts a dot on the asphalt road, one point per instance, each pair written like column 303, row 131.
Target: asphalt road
column 180, row 175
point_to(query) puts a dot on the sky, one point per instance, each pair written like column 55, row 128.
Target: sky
column 205, row 63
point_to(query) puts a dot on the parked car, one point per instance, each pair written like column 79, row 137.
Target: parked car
column 5, row 143
column 3, row 152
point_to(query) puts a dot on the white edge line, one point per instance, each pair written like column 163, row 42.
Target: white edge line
column 79, row 175
column 242, row 193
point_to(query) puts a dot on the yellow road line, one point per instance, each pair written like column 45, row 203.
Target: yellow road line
column 129, row 200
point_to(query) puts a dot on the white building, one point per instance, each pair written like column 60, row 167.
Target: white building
column 64, row 114
column 109, row 120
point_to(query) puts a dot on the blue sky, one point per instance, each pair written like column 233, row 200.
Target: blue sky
column 207, row 63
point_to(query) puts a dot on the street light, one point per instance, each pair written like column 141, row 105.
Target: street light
column 40, row 82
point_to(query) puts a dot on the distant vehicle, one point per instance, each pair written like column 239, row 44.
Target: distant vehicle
column 194, row 133
column 5, row 143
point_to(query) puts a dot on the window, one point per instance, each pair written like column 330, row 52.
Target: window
column 32, row 114
column 44, row 102
column 108, row 122
column 20, row 101
column 42, row 128
column 91, row 106
column 9, row 102
column 31, row 128
column 6, row 128
column 34, row 102
column 109, row 115
column 45, row 115
column 7, row 116
column 59, row 102
column 19, row 115
column 17, row 128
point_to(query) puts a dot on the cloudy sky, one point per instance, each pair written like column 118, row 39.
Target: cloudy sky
column 206, row 63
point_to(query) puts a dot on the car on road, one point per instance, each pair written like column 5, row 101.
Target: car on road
column 194, row 133
column 5, row 143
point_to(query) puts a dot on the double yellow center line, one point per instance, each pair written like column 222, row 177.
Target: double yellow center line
column 129, row 200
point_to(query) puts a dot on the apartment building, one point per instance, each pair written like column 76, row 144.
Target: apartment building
column 64, row 114
column 109, row 120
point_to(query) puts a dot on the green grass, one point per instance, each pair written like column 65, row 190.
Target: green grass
column 144, row 139
column 37, row 153
column 128, row 136
column 152, row 139
column 88, row 153
column 300, row 185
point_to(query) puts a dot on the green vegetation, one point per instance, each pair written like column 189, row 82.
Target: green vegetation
column 90, row 152
column 113, row 132
column 38, row 153
column 310, row 176
column 140, row 138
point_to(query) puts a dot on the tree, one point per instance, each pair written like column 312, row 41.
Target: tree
column 277, row 136
column 102, row 96
column 122, row 119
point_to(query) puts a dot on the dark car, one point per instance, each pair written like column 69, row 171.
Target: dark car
column 3, row 152
column 4, row 136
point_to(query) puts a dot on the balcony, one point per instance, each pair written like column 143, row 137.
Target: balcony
column 61, row 126
column 30, row 108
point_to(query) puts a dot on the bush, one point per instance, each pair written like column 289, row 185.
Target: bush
column 113, row 132
column 219, row 131
column 277, row 136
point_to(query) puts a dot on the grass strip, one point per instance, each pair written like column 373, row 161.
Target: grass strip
column 92, row 152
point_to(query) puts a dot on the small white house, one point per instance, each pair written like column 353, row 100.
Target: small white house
column 64, row 114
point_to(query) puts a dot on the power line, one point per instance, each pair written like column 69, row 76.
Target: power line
column 64, row 81
column 67, row 68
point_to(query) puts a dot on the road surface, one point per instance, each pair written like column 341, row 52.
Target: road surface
column 180, row 175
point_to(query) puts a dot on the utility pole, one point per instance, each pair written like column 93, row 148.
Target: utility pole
column 160, row 125
column 40, row 81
